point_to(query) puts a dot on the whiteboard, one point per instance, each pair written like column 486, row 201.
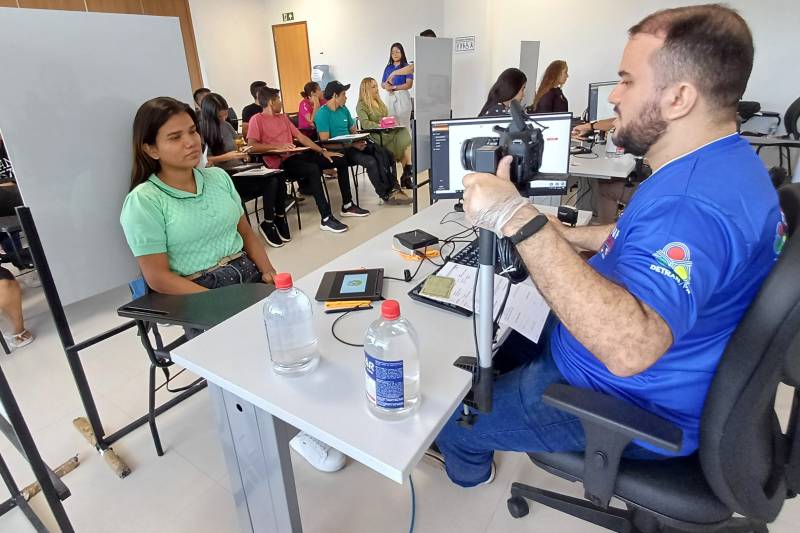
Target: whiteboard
column 72, row 83
column 433, row 79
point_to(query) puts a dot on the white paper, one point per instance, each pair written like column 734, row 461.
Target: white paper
column 350, row 137
column 525, row 311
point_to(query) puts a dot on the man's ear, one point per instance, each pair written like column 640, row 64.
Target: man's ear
column 679, row 100
column 150, row 150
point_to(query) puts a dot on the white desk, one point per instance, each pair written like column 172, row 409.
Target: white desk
column 602, row 166
column 254, row 405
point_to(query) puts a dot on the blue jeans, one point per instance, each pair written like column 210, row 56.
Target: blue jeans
column 520, row 421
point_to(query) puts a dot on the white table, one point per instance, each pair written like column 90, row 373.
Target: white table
column 603, row 166
column 255, row 407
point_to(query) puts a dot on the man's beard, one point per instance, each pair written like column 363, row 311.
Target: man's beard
column 637, row 137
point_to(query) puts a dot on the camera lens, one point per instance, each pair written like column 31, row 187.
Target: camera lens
column 468, row 155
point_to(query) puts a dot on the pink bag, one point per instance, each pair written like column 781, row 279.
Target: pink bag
column 388, row 122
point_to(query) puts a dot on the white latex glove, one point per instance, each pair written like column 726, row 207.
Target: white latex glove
column 490, row 201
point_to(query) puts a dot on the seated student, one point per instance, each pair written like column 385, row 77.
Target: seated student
column 179, row 247
column 219, row 136
column 549, row 98
column 253, row 108
column 334, row 119
column 399, row 99
column 198, row 96
column 648, row 318
column 309, row 105
column 510, row 85
column 272, row 130
column 370, row 111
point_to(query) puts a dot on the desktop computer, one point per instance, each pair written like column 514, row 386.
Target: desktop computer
column 448, row 138
column 599, row 108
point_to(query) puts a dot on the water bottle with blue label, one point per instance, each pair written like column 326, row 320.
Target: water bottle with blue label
column 391, row 364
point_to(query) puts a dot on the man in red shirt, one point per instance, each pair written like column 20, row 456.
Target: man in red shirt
column 272, row 131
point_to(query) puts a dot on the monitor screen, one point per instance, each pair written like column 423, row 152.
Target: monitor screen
column 599, row 107
column 448, row 137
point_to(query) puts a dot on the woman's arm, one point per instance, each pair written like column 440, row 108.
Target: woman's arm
column 155, row 268
column 255, row 250
column 405, row 86
column 229, row 156
column 364, row 116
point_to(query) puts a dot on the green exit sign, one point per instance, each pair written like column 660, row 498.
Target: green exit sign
column 288, row 17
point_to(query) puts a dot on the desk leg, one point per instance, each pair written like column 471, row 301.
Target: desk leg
column 256, row 447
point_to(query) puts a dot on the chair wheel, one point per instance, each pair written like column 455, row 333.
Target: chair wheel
column 518, row 506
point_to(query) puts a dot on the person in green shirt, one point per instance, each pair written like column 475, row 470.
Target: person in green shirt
column 334, row 119
column 185, row 226
column 370, row 111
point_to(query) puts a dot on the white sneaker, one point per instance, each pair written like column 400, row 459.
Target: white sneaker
column 317, row 453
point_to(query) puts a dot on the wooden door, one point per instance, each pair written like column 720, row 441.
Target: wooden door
column 133, row 7
column 294, row 62
column 180, row 9
column 66, row 5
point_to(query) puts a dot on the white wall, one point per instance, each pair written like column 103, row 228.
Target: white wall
column 590, row 36
column 354, row 36
column 231, row 38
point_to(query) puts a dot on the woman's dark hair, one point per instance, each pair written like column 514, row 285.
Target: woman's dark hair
column 506, row 87
column 403, row 60
column 210, row 128
column 149, row 118
column 201, row 91
column 309, row 89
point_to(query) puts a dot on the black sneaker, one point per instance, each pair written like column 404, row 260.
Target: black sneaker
column 282, row 225
column 354, row 211
column 270, row 233
column 331, row 224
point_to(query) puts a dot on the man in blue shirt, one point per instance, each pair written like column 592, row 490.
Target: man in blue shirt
column 333, row 120
column 648, row 317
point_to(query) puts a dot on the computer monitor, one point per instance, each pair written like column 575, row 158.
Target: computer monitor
column 447, row 139
column 599, row 108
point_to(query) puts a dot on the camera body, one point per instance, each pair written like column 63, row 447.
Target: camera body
column 523, row 142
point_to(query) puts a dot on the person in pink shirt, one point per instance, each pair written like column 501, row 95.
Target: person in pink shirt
column 272, row 131
column 309, row 105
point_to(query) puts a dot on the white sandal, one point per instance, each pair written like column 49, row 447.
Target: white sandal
column 18, row 340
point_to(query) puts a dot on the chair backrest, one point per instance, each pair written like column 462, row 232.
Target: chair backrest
column 790, row 119
column 744, row 453
column 294, row 118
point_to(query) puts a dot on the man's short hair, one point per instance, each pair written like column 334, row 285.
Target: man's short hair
column 709, row 45
column 255, row 86
column 265, row 95
column 427, row 33
column 198, row 92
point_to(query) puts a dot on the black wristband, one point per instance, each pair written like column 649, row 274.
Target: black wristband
column 529, row 229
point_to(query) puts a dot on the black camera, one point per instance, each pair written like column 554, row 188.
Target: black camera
column 521, row 140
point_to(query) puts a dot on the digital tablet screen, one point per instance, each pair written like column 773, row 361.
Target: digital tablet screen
column 353, row 284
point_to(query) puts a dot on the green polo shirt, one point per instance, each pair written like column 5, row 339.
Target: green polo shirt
column 336, row 122
column 194, row 230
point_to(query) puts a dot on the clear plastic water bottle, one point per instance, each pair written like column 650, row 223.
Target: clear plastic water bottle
column 290, row 330
column 391, row 361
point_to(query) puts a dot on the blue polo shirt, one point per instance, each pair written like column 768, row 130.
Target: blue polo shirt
column 694, row 244
column 336, row 122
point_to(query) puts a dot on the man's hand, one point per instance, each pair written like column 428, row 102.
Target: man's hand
column 268, row 277
column 330, row 155
column 490, row 201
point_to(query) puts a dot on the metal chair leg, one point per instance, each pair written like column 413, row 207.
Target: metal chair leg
column 293, row 188
column 4, row 344
column 354, row 175
column 151, row 414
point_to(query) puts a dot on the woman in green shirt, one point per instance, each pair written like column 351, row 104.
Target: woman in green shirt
column 370, row 110
column 185, row 226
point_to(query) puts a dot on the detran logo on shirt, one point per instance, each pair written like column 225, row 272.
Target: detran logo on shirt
column 676, row 263
column 609, row 242
column 780, row 235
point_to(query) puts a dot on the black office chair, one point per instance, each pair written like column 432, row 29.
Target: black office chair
column 791, row 138
column 746, row 463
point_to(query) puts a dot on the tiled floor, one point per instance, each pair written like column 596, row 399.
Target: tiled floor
column 187, row 490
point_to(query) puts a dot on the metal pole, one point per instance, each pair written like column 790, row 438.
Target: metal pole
column 60, row 319
column 414, row 195
column 482, row 388
column 32, row 453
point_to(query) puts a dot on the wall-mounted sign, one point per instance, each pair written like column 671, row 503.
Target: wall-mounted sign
column 465, row 45
column 288, row 17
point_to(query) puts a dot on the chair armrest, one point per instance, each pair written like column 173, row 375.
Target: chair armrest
column 615, row 415
column 610, row 424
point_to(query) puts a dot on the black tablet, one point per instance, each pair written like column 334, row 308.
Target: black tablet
column 365, row 284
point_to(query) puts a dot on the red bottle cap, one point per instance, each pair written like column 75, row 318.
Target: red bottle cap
column 283, row 280
column 390, row 309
